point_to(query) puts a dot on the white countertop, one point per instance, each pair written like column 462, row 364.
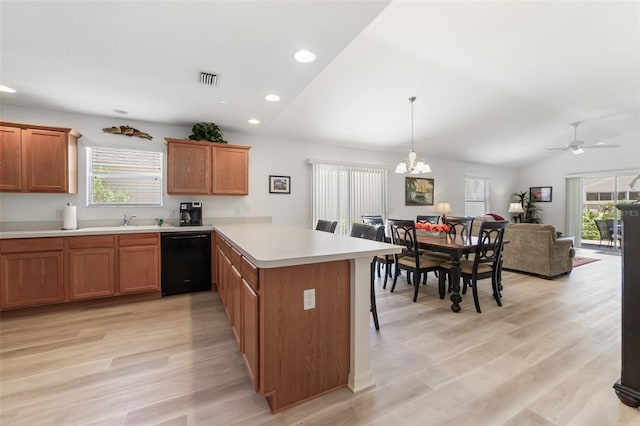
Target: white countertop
column 100, row 230
column 271, row 245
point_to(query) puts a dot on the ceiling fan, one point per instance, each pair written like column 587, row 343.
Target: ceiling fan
column 577, row 146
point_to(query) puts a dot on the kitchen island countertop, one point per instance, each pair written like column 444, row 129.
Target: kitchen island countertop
column 275, row 245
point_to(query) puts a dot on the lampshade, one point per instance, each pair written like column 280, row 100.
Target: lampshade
column 444, row 208
column 412, row 164
column 515, row 208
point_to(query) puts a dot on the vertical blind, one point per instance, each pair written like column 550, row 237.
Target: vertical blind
column 476, row 196
column 121, row 177
column 345, row 193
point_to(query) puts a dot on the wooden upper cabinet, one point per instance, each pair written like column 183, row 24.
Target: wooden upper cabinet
column 230, row 170
column 10, row 159
column 201, row 167
column 38, row 158
column 188, row 168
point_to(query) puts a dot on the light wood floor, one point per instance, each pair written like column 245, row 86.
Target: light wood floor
column 549, row 356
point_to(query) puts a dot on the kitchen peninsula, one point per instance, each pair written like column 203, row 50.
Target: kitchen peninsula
column 298, row 302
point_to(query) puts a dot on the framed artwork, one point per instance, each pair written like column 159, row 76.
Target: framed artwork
column 540, row 194
column 418, row 191
column 279, row 184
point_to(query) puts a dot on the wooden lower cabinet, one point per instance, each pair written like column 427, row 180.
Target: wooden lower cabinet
column 291, row 354
column 42, row 271
column 250, row 333
column 138, row 263
column 236, row 289
column 31, row 273
column 91, row 266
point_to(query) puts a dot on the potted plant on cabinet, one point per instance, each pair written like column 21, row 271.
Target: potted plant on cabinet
column 208, row 132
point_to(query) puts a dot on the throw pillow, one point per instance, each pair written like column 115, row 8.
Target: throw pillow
column 495, row 216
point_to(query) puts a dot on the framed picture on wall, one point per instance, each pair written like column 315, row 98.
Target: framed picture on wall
column 418, row 191
column 540, row 194
column 279, row 184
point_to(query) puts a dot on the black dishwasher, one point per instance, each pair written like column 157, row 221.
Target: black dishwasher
column 186, row 262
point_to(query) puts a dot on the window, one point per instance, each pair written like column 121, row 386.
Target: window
column 345, row 193
column 476, row 196
column 122, row 177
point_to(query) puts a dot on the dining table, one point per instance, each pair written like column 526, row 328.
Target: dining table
column 455, row 246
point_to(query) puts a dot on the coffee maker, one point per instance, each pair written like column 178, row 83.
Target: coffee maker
column 191, row 213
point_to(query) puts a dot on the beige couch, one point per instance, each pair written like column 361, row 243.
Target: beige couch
column 535, row 249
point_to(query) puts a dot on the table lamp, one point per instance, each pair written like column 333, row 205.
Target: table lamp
column 444, row 208
column 516, row 208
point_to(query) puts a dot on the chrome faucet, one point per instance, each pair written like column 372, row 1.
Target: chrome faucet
column 127, row 219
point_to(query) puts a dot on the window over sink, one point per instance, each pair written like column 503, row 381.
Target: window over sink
column 123, row 177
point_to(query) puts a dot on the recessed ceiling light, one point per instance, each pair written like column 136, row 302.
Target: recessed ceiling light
column 272, row 98
column 120, row 111
column 254, row 121
column 7, row 89
column 304, row 56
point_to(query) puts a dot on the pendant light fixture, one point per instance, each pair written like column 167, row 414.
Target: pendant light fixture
column 412, row 164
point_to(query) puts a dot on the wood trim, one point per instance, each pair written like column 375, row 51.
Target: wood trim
column 69, row 130
column 206, row 143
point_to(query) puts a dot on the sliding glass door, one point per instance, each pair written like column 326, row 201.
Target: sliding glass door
column 600, row 218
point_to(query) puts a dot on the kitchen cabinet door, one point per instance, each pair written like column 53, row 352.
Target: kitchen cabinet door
column 139, row 263
column 31, row 279
column 188, row 168
column 236, row 288
column 10, row 159
column 228, row 288
column 46, row 161
column 230, row 170
column 250, row 333
column 91, row 266
column 91, row 273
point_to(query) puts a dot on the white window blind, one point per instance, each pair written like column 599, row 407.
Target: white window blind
column 345, row 193
column 476, row 196
column 122, row 177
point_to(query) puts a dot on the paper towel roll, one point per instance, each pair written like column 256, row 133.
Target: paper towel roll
column 69, row 217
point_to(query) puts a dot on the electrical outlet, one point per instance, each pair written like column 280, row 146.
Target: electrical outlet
column 309, row 299
column 58, row 214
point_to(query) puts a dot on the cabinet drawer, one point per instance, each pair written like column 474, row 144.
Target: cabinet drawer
column 235, row 257
column 138, row 239
column 91, row 241
column 250, row 273
column 22, row 245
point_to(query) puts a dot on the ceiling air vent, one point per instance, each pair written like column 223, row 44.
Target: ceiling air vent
column 209, row 79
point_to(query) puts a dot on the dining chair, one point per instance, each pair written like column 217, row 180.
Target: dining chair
column 372, row 219
column 326, row 226
column 403, row 233
column 387, row 261
column 460, row 226
column 376, row 233
column 428, row 219
column 485, row 264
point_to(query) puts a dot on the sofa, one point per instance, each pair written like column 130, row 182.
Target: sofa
column 534, row 248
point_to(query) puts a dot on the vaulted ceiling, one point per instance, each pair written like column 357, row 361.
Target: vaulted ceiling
column 496, row 82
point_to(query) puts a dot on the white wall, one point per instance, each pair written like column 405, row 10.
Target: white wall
column 552, row 172
column 267, row 157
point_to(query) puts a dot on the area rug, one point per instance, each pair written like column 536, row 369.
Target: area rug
column 579, row 261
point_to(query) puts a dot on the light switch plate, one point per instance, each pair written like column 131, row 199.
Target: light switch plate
column 309, row 299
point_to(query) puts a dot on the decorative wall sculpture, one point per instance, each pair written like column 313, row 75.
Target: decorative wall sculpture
column 127, row 131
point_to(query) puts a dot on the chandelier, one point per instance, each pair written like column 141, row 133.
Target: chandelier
column 412, row 164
